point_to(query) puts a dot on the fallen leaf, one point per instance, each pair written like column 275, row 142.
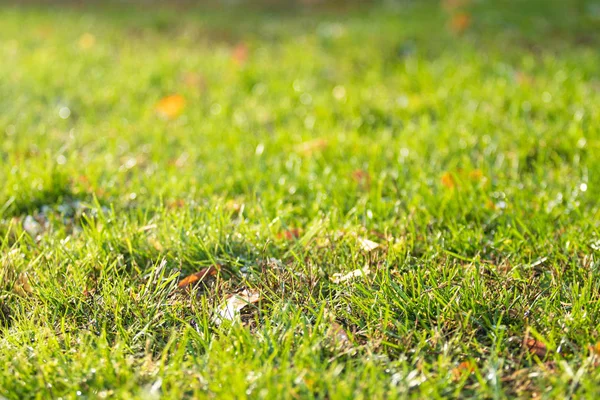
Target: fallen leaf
column 240, row 53
column 22, row 286
column 234, row 207
column 465, row 367
column 339, row 277
column 448, row 180
column 367, row 245
column 175, row 203
column 460, row 22
column 198, row 276
column 476, row 175
column 595, row 353
column 195, row 81
column 312, row 146
column 523, row 79
column 234, row 304
column 362, row 177
column 337, row 333
column 290, row 234
column 154, row 242
column 87, row 41
column 595, row 349
column 536, row 347
column 171, row 106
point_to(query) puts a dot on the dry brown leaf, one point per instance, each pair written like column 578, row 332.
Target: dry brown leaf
column 290, row 234
column 337, row 333
column 340, row 278
column 198, row 276
column 536, row 347
column 171, row 106
column 234, row 304
column 367, row 245
column 22, row 286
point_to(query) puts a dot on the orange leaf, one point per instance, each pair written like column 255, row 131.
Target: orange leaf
column 171, row 106
column 460, row 22
column 198, row 276
column 595, row 349
column 448, row 180
column 462, row 368
column 290, row 234
column 240, row 53
column 361, row 177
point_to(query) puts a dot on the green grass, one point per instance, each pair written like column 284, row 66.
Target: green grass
column 470, row 158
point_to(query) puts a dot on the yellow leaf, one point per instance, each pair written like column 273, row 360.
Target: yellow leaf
column 171, row 106
column 448, row 180
column 476, row 175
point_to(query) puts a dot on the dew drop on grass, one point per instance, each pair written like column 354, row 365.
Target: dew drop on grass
column 64, row 112
column 546, row 97
column 306, row 99
column 215, row 109
column 259, row 149
column 339, row 92
column 31, row 226
column 402, row 101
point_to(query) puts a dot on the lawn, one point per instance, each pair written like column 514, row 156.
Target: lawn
column 322, row 201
